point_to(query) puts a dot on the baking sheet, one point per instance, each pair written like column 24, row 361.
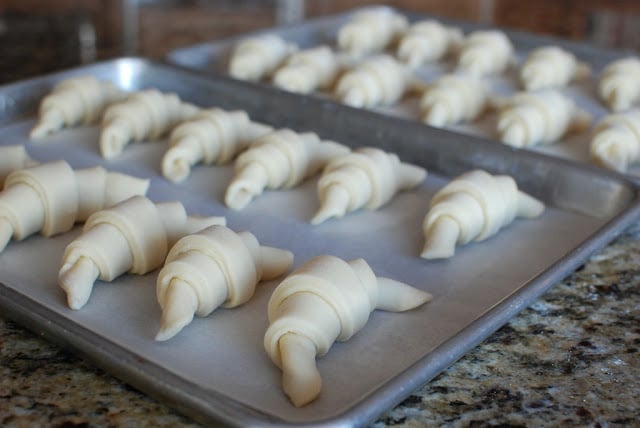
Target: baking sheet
column 216, row 369
column 212, row 57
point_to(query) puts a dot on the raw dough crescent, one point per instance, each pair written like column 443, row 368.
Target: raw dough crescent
column 365, row 178
column 474, row 206
column 543, row 117
column 551, row 67
column 324, row 300
column 377, row 81
column 212, row 268
column 454, row 98
column 142, row 115
column 370, row 30
column 485, row 52
column 306, row 71
column 427, row 41
column 256, row 57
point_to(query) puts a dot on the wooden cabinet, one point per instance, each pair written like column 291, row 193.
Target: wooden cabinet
column 102, row 17
column 604, row 22
column 62, row 33
column 607, row 23
column 469, row 10
column 163, row 27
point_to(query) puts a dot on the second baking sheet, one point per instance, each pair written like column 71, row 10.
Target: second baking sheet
column 213, row 57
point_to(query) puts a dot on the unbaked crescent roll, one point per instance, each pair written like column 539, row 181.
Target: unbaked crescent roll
column 619, row 84
column 485, row 52
column 142, row 115
column 133, row 236
column 377, row 81
column 543, row 117
column 365, row 178
column 427, row 41
column 213, row 136
column 473, row 207
column 212, row 268
column 73, row 101
column 51, row 197
column 616, row 141
column 370, row 30
column 551, row 67
column 255, row 57
column 13, row 157
column 325, row 300
column 454, row 98
column 281, row 159
column 306, row 71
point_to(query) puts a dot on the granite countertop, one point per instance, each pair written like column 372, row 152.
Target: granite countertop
column 570, row 359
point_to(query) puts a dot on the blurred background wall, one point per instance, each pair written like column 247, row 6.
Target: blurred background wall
column 37, row 36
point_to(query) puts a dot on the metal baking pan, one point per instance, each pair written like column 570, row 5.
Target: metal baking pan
column 216, row 369
column 212, row 57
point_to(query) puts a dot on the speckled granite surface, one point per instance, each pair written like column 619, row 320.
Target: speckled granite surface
column 571, row 359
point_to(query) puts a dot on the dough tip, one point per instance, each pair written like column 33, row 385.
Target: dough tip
column 617, row 99
column 120, row 187
column 328, row 150
column 256, row 130
column 6, row 232
column 605, row 150
column 196, row 223
column 534, row 82
column 249, row 181
column 432, row 251
column 441, row 239
column 535, row 75
column 275, row 261
column 321, row 216
column 514, row 135
column 437, row 115
column 347, row 40
column 238, row 196
column 471, row 65
column 301, row 380
column 354, row 98
column 41, row 130
column 295, row 79
column 245, row 67
column 49, row 122
column 180, row 303
column 169, row 329
column 409, row 175
column 77, row 281
column 409, row 53
column 165, row 333
column 396, row 296
column 175, row 165
column 528, row 206
column 335, row 202
column 113, row 138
